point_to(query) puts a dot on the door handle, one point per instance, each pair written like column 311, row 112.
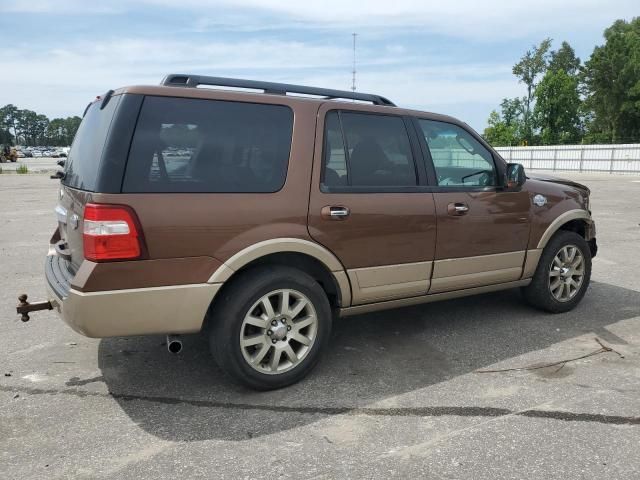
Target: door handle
column 335, row 212
column 457, row 208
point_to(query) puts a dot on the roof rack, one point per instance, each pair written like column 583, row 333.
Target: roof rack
column 193, row 81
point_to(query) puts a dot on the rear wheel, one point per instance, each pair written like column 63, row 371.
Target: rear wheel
column 270, row 327
column 563, row 274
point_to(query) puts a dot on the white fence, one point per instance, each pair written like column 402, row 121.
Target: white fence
column 579, row 158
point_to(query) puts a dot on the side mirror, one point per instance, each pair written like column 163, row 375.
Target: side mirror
column 514, row 177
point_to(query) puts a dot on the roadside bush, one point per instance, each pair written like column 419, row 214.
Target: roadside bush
column 22, row 169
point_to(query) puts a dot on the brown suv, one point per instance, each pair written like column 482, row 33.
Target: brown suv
column 258, row 216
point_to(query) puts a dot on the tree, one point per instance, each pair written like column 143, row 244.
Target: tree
column 27, row 120
column 5, row 137
column 71, row 125
column 564, row 59
column 528, row 69
column 9, row 118
column 612, row 85
column 557, row 109
column 498, row 133
column 32, row 128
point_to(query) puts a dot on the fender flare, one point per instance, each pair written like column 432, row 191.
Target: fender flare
column 566, row 217
column 286, row 245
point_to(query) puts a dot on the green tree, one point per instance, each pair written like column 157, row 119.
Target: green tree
column 564, row 59
column 27, row 125
column 5, row 137
column 612, row 85
column 506, row 127
column 528, row 70
column 9, row 115
column 71, row 125
column 498, row 133
column 557, row 110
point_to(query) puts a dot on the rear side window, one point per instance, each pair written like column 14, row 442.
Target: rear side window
column 193, row 145
column 365, row 150
column 81, row 168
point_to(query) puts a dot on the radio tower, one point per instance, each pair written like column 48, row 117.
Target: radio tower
column 353, row 78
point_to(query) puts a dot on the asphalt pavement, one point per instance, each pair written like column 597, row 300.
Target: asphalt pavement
column 34, row 165
column 398, row 394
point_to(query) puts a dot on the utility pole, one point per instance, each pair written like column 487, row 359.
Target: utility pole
column 353, row 78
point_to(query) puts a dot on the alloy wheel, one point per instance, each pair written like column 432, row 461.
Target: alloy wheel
column 278, row 331
column 566, row 273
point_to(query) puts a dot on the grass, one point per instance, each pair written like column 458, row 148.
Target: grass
column 22, row 169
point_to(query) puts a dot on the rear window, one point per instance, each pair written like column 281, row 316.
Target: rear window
column 193, row 145
column 81, row 168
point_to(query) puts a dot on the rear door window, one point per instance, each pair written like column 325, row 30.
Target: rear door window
column 367, row 150
column 194, row 145
column 81, row 168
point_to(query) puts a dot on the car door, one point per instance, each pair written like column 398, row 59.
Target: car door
column 369, row 203
column 483, row 229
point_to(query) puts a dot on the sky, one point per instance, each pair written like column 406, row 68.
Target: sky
column 452, row 57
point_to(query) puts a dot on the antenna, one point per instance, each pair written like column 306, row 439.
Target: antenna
column 353, row 78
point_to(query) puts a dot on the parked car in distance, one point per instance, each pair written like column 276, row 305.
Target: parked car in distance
column 256, row 218
column 37, row 153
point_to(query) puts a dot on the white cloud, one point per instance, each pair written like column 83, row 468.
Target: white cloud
column 61, row 80
column 487, row 20
column 62, row 6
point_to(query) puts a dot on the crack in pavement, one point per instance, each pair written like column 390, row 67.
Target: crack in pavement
column 429, row 411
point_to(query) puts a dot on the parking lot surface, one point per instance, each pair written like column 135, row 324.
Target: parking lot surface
column 34, row 165
column 397, row 395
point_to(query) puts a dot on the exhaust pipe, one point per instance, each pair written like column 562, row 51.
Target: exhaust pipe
column 174, row 344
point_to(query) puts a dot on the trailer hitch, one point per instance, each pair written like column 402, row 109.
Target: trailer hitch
column 24, row 307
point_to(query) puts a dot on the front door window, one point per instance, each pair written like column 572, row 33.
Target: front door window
column 459, row 159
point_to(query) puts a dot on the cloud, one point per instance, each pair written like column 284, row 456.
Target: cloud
column 62, row 79
column 490, row 20
column 62, row 6
column 487, row 20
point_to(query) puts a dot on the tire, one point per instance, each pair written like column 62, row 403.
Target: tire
column 241, row 314
column 544, row 291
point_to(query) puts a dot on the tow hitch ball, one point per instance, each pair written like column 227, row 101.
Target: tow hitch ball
column 24, row 307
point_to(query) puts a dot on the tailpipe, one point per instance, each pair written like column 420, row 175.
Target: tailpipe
column 174, row 344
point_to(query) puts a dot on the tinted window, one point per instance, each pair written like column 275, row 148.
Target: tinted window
column 369, row 151
column 81, row 168
column 459, row 159
column 192, row 145
column 335, row 171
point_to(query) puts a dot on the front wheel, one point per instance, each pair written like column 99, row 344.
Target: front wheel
column 563, row 274
column 270, row 327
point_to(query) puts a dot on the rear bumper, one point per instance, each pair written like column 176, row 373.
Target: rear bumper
column 137, row 311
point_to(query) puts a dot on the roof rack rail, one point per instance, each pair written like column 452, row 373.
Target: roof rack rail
column 186, row 80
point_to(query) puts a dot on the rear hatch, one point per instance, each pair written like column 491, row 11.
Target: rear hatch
column 81, row 177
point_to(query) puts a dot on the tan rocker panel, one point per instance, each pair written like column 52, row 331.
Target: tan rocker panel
column 459, row 273
column 373, row 284
column 406, row 302
column 283, row 245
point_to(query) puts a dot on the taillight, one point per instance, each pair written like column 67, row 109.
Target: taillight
column 110, row 233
